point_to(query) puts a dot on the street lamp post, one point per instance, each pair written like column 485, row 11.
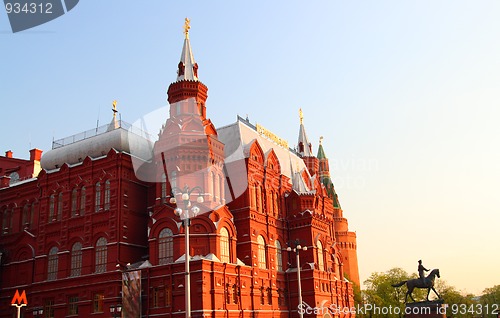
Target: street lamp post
column 297, row 250
column 37, row 311
column 115, row 310
column 186, row 214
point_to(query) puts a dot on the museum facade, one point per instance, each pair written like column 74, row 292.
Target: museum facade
column 99, row 223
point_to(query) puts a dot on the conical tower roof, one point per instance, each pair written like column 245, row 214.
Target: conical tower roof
column 321, row 152
column 188, row 68
column 304, row 147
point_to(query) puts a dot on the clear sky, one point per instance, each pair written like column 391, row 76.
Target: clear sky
column 405, row 93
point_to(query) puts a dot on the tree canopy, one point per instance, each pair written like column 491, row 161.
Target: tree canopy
column 379, row 293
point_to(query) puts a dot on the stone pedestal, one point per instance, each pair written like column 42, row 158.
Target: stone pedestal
column 427, row 309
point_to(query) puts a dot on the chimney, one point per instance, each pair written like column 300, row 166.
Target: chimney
column 8, row 154
column 35, row 154
column 4, row 181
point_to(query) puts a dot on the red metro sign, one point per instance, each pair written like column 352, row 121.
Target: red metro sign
column 19, row 301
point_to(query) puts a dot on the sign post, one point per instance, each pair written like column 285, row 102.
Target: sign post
column 19, row 301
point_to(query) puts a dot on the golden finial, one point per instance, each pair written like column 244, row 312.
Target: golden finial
column 320, row 140
column 186, row 27
column 114, row 109
column 301, row 116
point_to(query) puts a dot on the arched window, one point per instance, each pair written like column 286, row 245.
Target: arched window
column 224, row 245
column 76, row 259
column 52, row 202
column 269, row 201
column 83, row 197
column 27, row 215
column 275, row 203
column 279, row 258
column 262, row 252
column 107, row 190
column 336, row 266
column 59, row 206
column 7, row 222
column 221, row 189
column 321, row 265
column 74, row 202
column 214, row 193
column 101, row 255
column 165, row 247
column 53, row 261
column 163, row 188
column 259, row 198
column 97, row 196
column 253, row 197
column 173, row 179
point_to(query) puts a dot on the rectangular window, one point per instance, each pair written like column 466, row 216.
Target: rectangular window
column 59, row 206
column 97, row 305
column 74, row 203
column 97, row 197
column 158, row 297
column 26, row 216
column 107, row 195
column 168, row 296
column 83, row 197
column 281, row 301
column 236, row 294
column 52, row 208
column 228, row 294
column 73, row 306
column 48, row 308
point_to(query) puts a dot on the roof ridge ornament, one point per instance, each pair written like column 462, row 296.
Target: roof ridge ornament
column 187, row 26
column 301, row 116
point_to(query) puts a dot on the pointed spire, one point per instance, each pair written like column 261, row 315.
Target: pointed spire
column 187, row 68
column 321, row 152
column 114, row 122
column 304, row 146
column 324, row 175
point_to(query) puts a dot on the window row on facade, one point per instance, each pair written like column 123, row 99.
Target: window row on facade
column 28, row 212
column 76, row 259
column 97, row 305
column 166, row 250
column 215, row 186
column 102, row 200
column 259, row 198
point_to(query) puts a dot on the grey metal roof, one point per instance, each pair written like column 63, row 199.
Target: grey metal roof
column 238, row 138
column 74, row 150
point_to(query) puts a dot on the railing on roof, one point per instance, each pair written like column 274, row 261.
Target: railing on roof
column 98, row 131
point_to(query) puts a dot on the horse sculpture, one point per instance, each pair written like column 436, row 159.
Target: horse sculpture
column 428, row 282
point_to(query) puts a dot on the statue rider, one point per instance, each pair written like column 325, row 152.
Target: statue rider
column 421, row 270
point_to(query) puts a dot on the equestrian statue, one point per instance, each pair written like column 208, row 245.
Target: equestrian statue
column 421, row 282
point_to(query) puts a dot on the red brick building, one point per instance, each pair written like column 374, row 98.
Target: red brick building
column 100, row 210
